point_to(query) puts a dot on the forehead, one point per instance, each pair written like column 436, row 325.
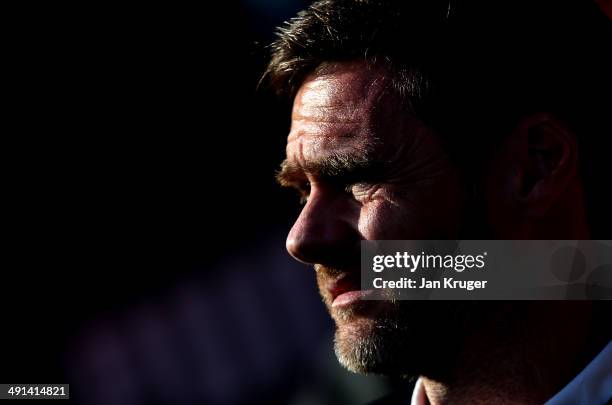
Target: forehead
column 339, row 109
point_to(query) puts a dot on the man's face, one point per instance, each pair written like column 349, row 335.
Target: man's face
column 368, row 170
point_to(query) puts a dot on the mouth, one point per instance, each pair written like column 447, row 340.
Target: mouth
column 351, row 297
column 346, row 291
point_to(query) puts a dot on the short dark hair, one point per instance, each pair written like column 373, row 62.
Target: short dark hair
column 452, row 61
column 372, row 31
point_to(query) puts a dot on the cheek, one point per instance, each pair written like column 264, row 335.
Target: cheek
column 433, row 213
column 383, row 219
column 447, row 203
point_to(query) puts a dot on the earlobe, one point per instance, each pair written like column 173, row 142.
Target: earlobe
column 548, row 162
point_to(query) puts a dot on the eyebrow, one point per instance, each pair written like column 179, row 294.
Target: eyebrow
column 345, row 167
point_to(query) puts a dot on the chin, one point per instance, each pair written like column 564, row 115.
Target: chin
column 399, row 338
column 364, row 347
column 369, row 340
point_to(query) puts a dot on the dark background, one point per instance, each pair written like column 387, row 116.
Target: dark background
column 143, row 256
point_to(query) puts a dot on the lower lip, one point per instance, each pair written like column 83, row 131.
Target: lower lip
column 351, row 297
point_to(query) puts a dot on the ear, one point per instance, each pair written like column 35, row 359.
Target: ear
column 545, row 163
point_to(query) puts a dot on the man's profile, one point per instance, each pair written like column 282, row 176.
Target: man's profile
column 445, row 120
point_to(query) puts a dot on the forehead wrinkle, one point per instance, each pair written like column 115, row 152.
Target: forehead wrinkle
column 339, row 112
column 345, row 93
column 341, row 120
column 334, row 114
column 325, row 131
column 335, row 109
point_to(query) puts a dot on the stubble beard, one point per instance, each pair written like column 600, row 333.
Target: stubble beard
column 399, row 338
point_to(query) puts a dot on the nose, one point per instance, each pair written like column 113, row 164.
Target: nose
column 326, row 231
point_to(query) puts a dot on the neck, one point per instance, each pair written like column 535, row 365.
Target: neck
column 523, row 356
